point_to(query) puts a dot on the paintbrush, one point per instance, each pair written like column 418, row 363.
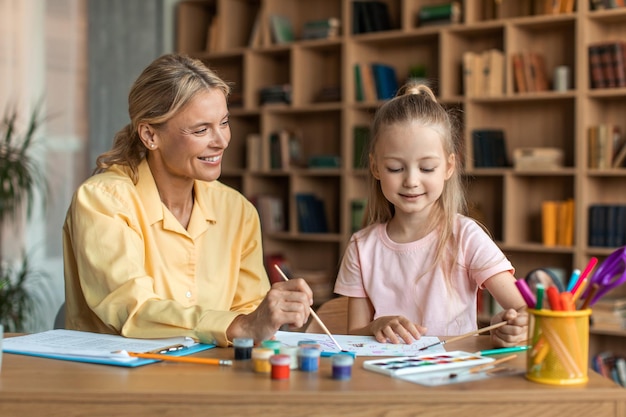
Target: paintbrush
column 463, row 336
column 484, row 366
column 315, row 316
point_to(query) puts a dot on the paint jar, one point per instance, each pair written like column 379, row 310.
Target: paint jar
column 311, row 344
column 559, row 346
column 272, row 344
column 280, row 366
column 261, row 360
column 342, row 366
column 292, row 351
column 309, row 359
column 243, row 348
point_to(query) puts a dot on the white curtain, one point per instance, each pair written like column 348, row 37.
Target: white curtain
column 43, row 57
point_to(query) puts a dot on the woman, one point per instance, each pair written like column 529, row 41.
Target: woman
column 154, row 246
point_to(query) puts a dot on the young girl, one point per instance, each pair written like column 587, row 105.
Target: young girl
column 416, row 266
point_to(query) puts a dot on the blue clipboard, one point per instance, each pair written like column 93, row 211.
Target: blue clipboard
column 102, row 361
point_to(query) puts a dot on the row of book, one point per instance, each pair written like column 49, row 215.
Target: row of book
column 557, row 222
column 280, row 30
column 606, row 146
column 374, row 81
column 607, row 64
column 483, row 73
column 370, row 16
column 311, row 213
column 607, row 225
column 606, row 4
column 489, row 148
column 610, row 366
column 529, row 72
column 554, row 6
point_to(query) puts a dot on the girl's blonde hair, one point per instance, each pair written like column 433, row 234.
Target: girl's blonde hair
column 417, row 103
column 159, row 93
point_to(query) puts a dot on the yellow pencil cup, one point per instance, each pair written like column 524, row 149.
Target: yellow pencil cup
column 559, row 347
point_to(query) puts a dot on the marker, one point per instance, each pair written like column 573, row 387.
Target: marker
column 540, row 290
column 573, row 280
column 499, row 351
column 554, row 299
column 526, row 293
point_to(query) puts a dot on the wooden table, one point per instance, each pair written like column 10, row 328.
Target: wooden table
column 31, row 386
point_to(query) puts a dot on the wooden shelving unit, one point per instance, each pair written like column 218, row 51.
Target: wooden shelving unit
column 509, row 200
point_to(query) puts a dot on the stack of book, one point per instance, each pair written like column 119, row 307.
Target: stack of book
column 607, row 225
column 321, row 28
column 557, row 222
column 609, row 313
column 607, row 64
column 438, row 14
column 280, row 93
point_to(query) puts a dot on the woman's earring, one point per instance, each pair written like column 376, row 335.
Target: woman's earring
column 152, row 145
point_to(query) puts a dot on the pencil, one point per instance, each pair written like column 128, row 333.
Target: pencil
column 463, row 336
column 315, row 316
column 484, row 366
column 201, row 361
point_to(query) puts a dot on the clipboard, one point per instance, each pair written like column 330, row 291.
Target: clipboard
column 77, row 346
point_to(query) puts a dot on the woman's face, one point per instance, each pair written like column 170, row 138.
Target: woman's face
column 191, row 144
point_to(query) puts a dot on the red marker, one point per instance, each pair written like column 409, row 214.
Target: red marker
column 554, row 299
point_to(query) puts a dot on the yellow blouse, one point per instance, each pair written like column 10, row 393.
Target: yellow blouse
column 132, row 269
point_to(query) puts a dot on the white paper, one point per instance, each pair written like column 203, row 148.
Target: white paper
column 361, row 345
column 87, row 344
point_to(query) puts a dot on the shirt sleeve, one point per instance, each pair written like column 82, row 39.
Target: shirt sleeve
column 482, row 255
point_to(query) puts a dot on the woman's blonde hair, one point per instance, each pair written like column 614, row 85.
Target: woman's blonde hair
column 159, row 93
column 417, row 103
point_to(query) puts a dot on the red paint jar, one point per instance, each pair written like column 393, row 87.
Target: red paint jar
column 280, row 366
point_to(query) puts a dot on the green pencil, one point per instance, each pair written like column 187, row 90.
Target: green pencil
column 502, row 350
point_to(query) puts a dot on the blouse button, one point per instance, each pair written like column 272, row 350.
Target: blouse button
column 188, row 294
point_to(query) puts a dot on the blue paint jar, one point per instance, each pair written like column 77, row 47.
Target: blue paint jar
column 308, row 359
column 342, row 366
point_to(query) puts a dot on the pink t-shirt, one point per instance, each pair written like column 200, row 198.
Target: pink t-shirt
column 390, row 275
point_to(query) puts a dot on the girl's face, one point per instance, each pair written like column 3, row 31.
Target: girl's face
column 192, row 143
column 412, row 167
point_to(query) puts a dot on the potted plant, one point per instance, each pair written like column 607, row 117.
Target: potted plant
column 21, row 178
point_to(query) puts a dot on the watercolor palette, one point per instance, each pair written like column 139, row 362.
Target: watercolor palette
column 444, row 361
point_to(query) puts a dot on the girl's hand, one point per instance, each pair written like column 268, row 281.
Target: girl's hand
column 515, row 332
column 396, row 329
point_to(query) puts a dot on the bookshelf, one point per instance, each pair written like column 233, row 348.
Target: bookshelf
column 507, row 200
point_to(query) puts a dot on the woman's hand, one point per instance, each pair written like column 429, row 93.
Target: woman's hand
column 396, row 329
column 514, row 332
column 286, row 302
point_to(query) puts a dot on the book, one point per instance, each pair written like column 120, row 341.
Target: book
column 271, row 213
column 538, row 70
column 370, row 16
column 311, row 213
column 360, row 136
column 596, row 71
column 254, row 154
column 104, row 349
column 489, row 146
column 369, row 83
column 549, row 216
column 321, row 28
column 357, row 211
column 439, row 13
column 359, row 94
column 385, row 81
column 472, row 73
column 492, row 61
column 281, row 29
column 517, row 63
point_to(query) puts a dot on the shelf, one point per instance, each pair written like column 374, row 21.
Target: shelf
column 505, row 200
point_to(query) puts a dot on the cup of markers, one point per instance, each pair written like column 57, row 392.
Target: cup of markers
column 558, row 332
